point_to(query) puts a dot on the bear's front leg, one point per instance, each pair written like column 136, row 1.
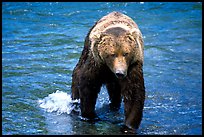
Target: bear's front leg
column 75, row 83
column 88, row 93
column 133, row 113
column 134, row 96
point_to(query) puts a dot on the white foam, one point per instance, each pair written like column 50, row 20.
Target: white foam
column 59, row 102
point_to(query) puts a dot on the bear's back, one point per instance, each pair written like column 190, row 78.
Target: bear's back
column 113, row 19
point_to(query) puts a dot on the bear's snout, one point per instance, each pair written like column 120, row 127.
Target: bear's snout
column 120, row 67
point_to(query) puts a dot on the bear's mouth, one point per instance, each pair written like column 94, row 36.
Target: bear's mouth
column 120, row 74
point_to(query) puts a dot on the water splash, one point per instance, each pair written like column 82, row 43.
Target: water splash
column 59, row 102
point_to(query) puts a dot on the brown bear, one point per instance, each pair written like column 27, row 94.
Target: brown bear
column 112, row 55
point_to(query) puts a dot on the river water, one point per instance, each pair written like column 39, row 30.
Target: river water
column 42, row 42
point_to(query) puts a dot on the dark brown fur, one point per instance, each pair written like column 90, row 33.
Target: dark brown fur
column 88, row 77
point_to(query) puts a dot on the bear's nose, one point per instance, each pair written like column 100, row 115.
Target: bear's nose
column 120, row 74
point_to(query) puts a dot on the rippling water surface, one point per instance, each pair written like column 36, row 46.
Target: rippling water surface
column 41, row 44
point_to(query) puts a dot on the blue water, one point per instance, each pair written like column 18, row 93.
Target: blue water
column 42, row 42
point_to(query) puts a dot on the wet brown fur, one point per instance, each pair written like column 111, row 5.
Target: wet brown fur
column 89, row 75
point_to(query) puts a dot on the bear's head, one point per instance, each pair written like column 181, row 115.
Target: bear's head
column 118, row 50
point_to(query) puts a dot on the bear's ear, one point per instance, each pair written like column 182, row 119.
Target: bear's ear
column 99, row 38
column 103, row 36
column 95, row 39
column 136, row 35
column 131, row 36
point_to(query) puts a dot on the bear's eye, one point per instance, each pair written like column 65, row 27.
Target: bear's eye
column 125, row 54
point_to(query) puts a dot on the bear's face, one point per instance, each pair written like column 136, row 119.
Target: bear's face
column 117, row 52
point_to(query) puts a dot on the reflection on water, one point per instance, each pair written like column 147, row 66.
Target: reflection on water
column 42, row 42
